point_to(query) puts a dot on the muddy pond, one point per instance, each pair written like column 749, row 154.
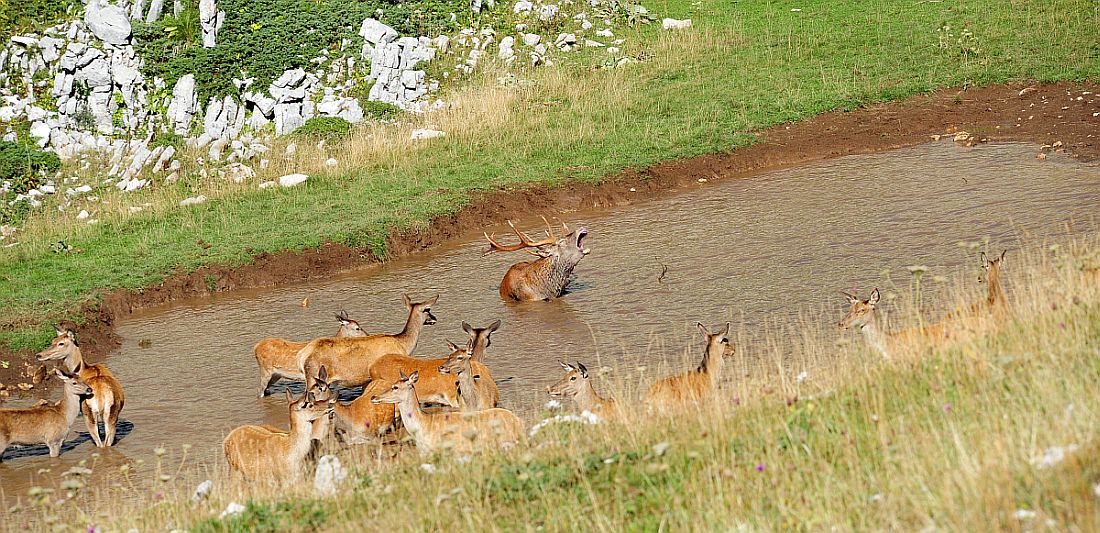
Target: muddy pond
column 745, row 250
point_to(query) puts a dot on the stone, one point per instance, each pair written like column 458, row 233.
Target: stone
column 531, row 39
column 267, row 184
column 155, row 9
column 590, row 43
column 288, row 117
column 523, row 6
column 420, row 134
column 208, row 19
column 292, row 180
column 331, row 162
column 137, row 9
column 673, row 24
column 41, row 132
column 239, row 172
column 376, row 33
column 108, row 23
column 181, row 110
column 194, row 200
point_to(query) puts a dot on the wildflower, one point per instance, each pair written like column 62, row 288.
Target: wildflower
column 801, row 377
column 1053, row 455
column 1024, row 514
column 202, row 491
column 233, row 508
column 947, row 407
column 158, row 495
column 553, row 405
column 1096, row 490
column 760, row 467
column 428, row 467
column 93, row 529
column 159, row 451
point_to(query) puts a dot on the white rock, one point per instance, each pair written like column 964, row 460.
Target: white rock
column 108, row 22
column 41, row 131
column 531, row 39
column 83, row 214
column 331, row 162
column 590, row 43
column 268, row 184
column 239, row 172
column 604, row 33
column 427, row 134
column 203, row 490
column 291, row 180
column 233, row 508
column 291, row 149
column 673, row 24
column 194, row 200
column 376, row 33
column 523, row 6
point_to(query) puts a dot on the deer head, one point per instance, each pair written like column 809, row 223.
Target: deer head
column 62, row 346
column 569, row 247
column 421, row 311
column 991, row 267
column 349, row 327
column 573, row 383
column 73, row 384
column 401, row 390
column 861, row 312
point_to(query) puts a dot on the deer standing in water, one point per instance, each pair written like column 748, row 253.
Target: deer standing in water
column 698, row 384
column 278, row 358
column 257, row 452
column 576, row 385
column 543, row 278
column 323, row 393
column 434, row 385
column 108, row 399
column 349, row 359
column 476, row 389
column 456, row 432
column 45, row 424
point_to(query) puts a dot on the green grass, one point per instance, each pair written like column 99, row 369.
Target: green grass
column 743, row 67
column 945, row 435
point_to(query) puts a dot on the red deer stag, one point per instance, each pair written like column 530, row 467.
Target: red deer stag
column 543, row 278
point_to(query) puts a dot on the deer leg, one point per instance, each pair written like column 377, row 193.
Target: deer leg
column 267, row 379
column 92, row 422
column 110, row 425
column 3, row 447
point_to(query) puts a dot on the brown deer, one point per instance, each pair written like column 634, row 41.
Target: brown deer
column 697, row 384
column 323, row 393
column 258, row 453
column 457, row 432
column 434, row 385
column 476, row 389
column 995, row 296
column 45, row 424
column 543, row 278
column 278, row 358
column 863, row 315
column 349, row 359
column 576, row 385
column 107, row 402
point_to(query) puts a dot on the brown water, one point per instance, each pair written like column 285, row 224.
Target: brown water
column 741, row 250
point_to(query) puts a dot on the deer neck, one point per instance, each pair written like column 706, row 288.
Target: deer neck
column 468, row 391
column 74, row 361
column 70, row 407
column 411, row 415
column 994, row 294
column 712, row 364
column 553, row 273
column 874, row 335
column 586, row 398
column 411, row 334
column 301, row 439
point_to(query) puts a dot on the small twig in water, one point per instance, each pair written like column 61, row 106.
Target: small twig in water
column 664, row 270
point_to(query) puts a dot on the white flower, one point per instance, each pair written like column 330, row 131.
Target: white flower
column 801, row 377
column 1024, row 514
column 428, row 467
column 553, row 405
column 1053, row 455
column 202, row 491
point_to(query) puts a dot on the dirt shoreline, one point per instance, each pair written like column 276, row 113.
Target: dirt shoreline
column 1039, row 113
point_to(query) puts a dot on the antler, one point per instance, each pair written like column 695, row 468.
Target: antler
column 524, row 240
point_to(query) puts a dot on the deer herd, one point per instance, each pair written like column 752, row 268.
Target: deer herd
column 446, row 403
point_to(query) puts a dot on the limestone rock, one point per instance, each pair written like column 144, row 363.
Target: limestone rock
column 108, row 22
column 291, row 180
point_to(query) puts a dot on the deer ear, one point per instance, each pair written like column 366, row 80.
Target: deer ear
column 408, row 301
column 60, row 373
column 60, row 332
column 874, row 297
column 414, row 377
column 494, row 326
column 726, row 332
column 702, row 328
column 432, row 301
column 323, row 374
column 289, row 397
column 1003, row 252
column 851, row 299
column 566, row 366
column 984, row 260
column 454, row 347
column 401, row 373
column 467, row 327
column 584, row 371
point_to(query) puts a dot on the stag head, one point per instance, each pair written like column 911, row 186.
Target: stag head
column 569, row 247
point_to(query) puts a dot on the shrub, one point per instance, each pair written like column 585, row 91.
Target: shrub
column 24, row 15
column 20, row 164
column 166, row 139
column 328, row 128
column 379, row 110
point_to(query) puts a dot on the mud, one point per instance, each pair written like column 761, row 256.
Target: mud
column 1043, row 114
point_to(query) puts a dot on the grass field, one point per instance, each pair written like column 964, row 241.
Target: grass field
column 744, row 66
column 950, row 435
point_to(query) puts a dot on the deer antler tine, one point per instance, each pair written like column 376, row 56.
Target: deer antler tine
column 549, row 230
column 564, row 229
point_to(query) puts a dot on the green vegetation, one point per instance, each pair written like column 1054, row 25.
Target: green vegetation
column 948, row 436
column 18, row 16
column 744, row 66
column 21, row 166
column 379, row 110
column 303, row 29
column 328, row 128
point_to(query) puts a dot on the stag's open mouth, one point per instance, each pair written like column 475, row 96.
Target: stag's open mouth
column 581, row 234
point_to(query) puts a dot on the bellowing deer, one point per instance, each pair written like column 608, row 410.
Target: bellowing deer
column 108, row 400
column 259, row 453
column 697, row 384
column 278, row 358
column 434, row 385
column 456, row 432
column 576, row 385
column 349, row 359
column 543, row 278
column 45, row 424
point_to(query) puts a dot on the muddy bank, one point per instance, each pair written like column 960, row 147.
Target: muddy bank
column 1043, row 114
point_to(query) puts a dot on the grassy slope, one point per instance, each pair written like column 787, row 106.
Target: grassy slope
column 945, row 435
column 745, row 66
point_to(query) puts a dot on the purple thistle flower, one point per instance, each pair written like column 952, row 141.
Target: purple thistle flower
column 760, row 467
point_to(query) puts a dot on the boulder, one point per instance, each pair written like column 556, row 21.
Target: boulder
column 108, row 23
column 291, row 180
column 673, row 24
column 181, row 110
column 427, row 134
column 376, row 33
